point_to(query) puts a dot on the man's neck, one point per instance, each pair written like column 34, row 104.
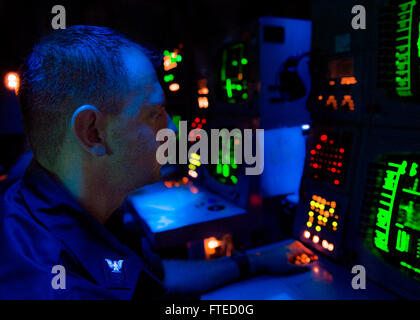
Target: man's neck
column 93, row 190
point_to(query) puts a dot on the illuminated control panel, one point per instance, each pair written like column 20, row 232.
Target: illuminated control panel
column 227, row 170
column 171, row 61
column 393, row 211
column 337, row 92
column 194, row 163
column 399, row 53
column 203, row 94
column 323, row 221
column 328, row 157
column 233, row 74
column 198, row 123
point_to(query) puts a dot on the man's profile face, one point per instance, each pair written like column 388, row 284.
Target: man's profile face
column 131, row 135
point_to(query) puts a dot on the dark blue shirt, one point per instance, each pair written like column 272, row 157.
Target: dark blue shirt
column 42, row 226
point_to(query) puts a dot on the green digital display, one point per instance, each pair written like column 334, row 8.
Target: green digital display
column 227, row 170
column 233, row 74
column 396, row 230
column 407, row 48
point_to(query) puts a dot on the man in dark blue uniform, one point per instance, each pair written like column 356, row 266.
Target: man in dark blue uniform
column 92, row 106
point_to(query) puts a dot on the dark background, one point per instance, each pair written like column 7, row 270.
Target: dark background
column 154, row 22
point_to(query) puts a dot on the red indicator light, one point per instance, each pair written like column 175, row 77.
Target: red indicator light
column 332, row 142
column 318, row 146
column 315, row 165
column 341, row 150
column 324, row 137
column 199, row 126
column 193, row 125
column 340, row 164
column 197, row 120
column 204, row 121
column 313, row 152
column 337, row 182
column 333, row 170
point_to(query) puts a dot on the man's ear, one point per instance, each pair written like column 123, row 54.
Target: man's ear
column 87, row 124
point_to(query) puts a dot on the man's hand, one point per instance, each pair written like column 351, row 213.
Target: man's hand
column 286, row 258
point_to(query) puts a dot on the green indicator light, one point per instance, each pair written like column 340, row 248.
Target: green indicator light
column 234, row 179
column 168, row 77
column 413, row 170
column 411, row 191
column 418, row 43
column 244, row 61
column 245, row 96
column 238, row 87
column 166, row 53
column 403, row 241
column 386, row 195
column 226, row 170
column 383, row 218
column 179, row 58
column 406, row 265
column 234, row 63
column 403, row 49
column 229, row 88
column 234, row 166
column 219, row 169
column 399, row 225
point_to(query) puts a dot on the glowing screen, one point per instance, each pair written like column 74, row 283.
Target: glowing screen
column 406, row 42
column 396, row 208
column 233, row 74
column 322, row 222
